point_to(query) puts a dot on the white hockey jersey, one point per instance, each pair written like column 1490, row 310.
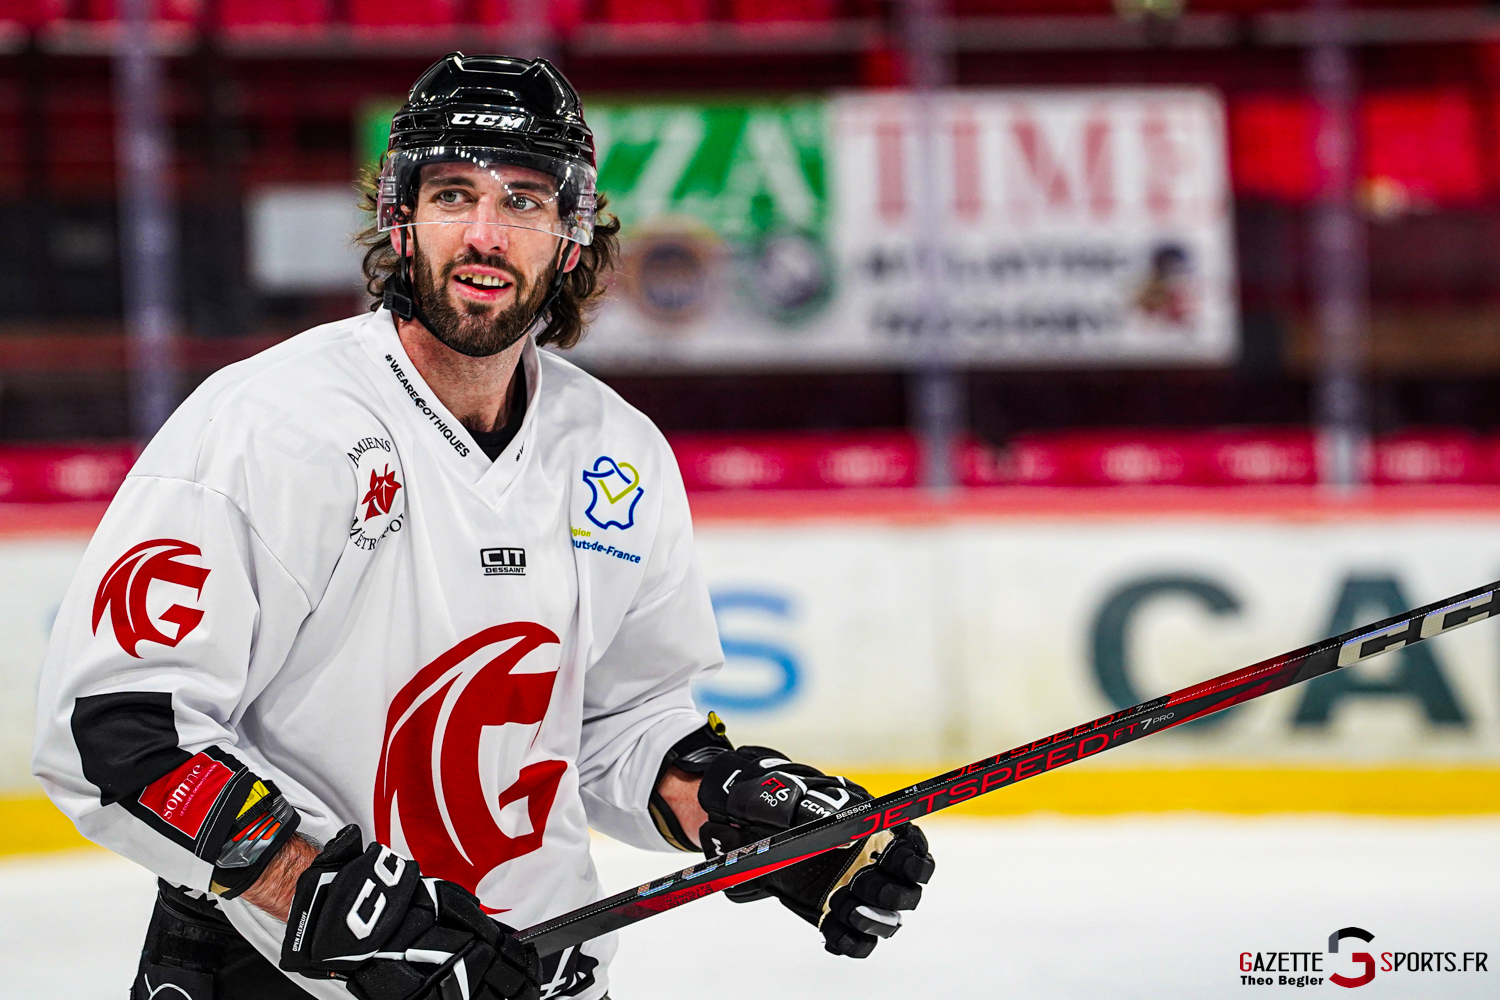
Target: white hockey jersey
column 315, row 577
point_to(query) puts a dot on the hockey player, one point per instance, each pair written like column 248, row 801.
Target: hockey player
column 386, row 617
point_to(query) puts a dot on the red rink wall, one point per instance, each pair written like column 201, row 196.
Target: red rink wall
column 886, row 459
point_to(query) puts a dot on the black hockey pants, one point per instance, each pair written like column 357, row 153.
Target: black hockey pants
column 190, row 945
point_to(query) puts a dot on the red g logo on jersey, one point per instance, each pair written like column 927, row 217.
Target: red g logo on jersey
column 430, row 780
column 126, row 584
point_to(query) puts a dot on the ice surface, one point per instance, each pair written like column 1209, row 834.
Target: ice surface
column 1030, row 908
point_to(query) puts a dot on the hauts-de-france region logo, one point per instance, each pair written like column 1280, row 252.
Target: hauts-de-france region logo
column 617, row 489
column 127, row 584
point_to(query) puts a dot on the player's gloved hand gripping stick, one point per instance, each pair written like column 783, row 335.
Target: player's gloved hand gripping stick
column 367, row 916
column 864, row 818
column 854, row 896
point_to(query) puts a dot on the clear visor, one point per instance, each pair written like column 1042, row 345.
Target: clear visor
column 467, row 186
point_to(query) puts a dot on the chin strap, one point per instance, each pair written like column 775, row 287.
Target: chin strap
column 558, row 277
column 401, row 292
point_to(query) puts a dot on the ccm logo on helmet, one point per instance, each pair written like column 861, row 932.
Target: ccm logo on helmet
column 473, row 118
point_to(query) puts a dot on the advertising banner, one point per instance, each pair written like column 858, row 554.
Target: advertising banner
column 879, row 644
column 725, row 209
column 1074, row 227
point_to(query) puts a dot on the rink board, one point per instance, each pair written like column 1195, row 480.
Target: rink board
column 890, row 636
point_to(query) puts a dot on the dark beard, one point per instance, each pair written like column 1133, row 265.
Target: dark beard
column 474, row 330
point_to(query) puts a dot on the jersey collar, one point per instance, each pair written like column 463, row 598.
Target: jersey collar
column 431, row 422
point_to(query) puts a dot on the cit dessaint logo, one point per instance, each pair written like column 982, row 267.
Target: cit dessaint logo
column 506, row 561
column 382, row 493
column 127, row 583
column 617, row 489
column 1363, row 957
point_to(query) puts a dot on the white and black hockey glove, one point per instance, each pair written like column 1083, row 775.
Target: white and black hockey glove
column 853, row 894
column 369, row 917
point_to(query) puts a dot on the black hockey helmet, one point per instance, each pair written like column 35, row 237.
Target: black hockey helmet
column 493, row 112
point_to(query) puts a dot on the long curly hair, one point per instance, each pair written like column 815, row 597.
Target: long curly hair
column 571, row 311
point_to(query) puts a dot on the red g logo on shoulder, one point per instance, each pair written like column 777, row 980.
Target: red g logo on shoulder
column 127, row 583
column 443, row 732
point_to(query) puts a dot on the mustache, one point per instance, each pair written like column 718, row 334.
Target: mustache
column 471, row 257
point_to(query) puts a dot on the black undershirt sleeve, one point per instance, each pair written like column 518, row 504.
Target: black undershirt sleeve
column 209, row 803
column 492, row 443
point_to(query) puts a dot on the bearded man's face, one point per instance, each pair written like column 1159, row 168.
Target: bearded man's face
column 484, row 256
column 478, row 329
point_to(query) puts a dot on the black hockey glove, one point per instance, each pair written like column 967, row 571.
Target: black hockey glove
column 369, row 917
column 853, row 894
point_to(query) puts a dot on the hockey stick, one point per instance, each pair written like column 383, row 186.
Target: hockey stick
column 991, row 773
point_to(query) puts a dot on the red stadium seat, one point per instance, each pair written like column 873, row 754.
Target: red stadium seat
column 268, row 13
column 561, row 15
column 489, row 12
column 1010, row 8
column 33, row 13
column 783, row 10
column 404, row 13
column 1419, row 149
column 1422, row 149
column 166, row 10
column 1271, row 151
column 654, row 11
